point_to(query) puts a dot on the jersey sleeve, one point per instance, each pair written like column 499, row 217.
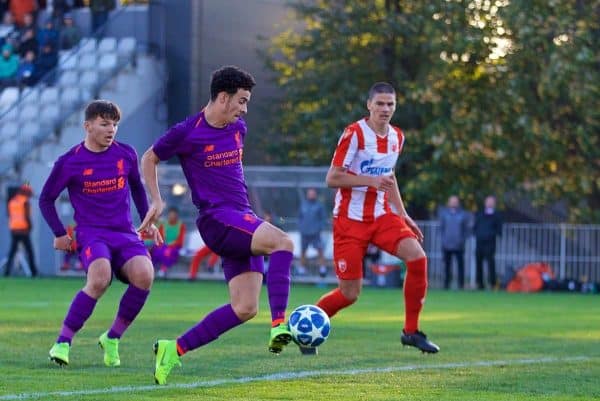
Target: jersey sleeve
column 56, row 182
column 138, row 193
column 173, row 141
column 346, row 149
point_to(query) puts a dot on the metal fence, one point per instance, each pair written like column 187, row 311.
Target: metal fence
column 573, row 251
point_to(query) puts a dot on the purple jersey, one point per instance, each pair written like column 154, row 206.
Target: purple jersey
column 99, row 184
column 211, row 159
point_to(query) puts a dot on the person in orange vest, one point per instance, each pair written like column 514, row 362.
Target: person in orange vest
column 19, row 223
column 200, row 255
column 173, row 232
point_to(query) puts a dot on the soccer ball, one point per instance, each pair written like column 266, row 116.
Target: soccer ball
column 309, row 325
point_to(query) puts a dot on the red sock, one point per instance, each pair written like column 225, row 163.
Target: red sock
column 415, row 288
column 333, row 301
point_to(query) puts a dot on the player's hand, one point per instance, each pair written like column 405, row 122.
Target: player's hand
column 153, row 233
column 152, row 216
column 64, row 243
column 383, row 182
column 414, row 227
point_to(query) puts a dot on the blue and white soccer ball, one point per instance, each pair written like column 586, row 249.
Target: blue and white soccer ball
column 309, row 325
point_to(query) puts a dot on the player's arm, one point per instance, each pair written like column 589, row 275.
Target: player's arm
column 138, row 193
column 396, row 200
column 150, row 172
column 339, row 177
column 56, row 182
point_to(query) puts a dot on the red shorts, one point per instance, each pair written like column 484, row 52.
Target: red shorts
column 351, row 238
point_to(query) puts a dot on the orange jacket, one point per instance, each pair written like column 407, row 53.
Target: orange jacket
column 18, row 213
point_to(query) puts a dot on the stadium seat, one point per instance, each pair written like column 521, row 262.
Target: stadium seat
column 8, row 97
column 50, row 114
column 126, row 47
column 68, row 60
column 49, row 95
column 88, row 80
column 30, row 95
column 29, row 133
column 68, row 78
column 87, row 61
column 70, row 96
column 8, row 150
column 11, row 114
column 87, row 45
column 107, row 63
column 107, row 45
column 9, row 130
column 29, row 112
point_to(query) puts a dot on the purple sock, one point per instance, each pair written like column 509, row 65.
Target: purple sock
column 131, row 304
column 209, row 329
column 81, row 309
column 278, row 284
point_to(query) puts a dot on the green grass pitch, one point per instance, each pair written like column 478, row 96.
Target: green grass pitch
column 495, row 346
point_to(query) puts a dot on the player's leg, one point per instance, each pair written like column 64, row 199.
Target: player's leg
column 492, row 265
column 29, row 251
column 460, row 261
column 138, row 273
column 447, row 268
column 14, row 244
column 394, row 236
column 479, row 266
column 95, row 259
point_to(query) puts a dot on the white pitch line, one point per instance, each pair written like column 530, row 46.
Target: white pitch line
column 289, row 376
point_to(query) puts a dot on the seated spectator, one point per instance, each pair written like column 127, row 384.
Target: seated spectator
column 9, row 64
column 21, row 8
column 58, row 10
column 26, row 71
column 28, row 43
column 45, row 64
column 172, row 232
column 70, row 34
column 48, row 35
column 10, row 35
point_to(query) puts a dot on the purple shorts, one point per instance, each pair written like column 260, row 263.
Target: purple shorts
column 229, row 233
column 117, row 247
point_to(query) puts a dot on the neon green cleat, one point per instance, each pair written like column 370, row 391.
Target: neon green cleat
column 59, row 353
column 280, row 337
column 111, row 349
column 166, row 359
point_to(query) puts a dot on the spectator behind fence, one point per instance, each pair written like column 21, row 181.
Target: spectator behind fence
column 20, row 9
column 26, row 71
column 100, row 10
column 9, row 64
column 70, row 34
column 454, row 227
column 19, row 223
column 28, row 42
column 488, row 226
column 48, row 35
column 173, row 233
column 45, row 64
column 311, row 221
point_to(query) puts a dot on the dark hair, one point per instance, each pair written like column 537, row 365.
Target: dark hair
column 380, row 87
column 104, row 109
column 173, row 209
column 229, row 79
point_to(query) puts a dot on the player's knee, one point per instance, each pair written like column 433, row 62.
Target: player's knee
column 95, row 288
column 351, row 294
column 245, row 311
column 286, row 243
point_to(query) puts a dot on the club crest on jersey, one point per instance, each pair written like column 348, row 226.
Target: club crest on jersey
column 366, row 167
column 88, row 171
column 209, row 148
column 120, row 167
column 342, row 266
column 394, row 147
column 238, row 139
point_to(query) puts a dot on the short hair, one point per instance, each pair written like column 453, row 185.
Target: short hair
column 229, row 79
column 102, row 108
column 381, row 87
column 173, row 209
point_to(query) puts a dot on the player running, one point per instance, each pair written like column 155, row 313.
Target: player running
column 100, row 174
column 369, row 209
column 209, row 146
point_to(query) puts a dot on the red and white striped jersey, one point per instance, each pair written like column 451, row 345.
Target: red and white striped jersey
column 362, row 152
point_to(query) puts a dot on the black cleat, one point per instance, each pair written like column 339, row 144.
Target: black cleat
column 419, row 340
column 308, row 350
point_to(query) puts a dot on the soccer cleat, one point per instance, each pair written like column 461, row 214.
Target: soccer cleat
column 308, row 350
column 280, row 337
column 111, row 349
column 59, row 353
column 166, row 359
column 419, row 340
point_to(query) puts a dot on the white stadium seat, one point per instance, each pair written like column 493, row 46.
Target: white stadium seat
column 11, row 114
column 70, row 96
column 9, row 131
column 29, row 131
column 88, row 80
column 87, row 45
column 29, row 112
column 87, row 61
column 107, row 63
column 107, row 45
column 50, row 114
column 68, row 78
column 68, row 61
column 126, row 47
column 30, row 95
column 49, row 95
column 8, row 97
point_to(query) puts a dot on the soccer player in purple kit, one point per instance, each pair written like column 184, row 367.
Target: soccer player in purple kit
column 209, row 146
column 100, row 174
